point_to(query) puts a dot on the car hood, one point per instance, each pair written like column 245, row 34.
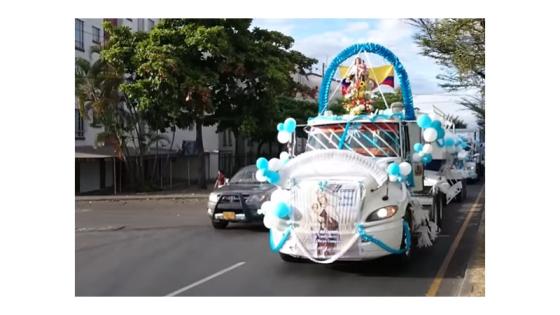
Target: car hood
column 245, row 188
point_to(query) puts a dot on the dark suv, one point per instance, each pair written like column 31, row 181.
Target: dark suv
column 239, row 199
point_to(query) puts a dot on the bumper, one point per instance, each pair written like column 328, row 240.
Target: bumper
column 388, row 232
column 244, row 215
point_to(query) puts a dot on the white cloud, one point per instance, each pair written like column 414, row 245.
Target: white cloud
column 395, row 34
column 285, row 26
column 448, row 103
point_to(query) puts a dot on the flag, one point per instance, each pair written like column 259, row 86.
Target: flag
column 384, row 74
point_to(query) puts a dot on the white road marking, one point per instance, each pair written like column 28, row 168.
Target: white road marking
column 201, row 281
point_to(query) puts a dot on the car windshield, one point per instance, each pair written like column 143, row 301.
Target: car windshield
column 245, row 176
column 380, row 139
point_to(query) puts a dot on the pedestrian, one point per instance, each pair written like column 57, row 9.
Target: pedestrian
column 220, row 180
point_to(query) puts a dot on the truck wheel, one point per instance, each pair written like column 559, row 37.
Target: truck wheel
column 219, row 224
column 436, row 214
column 440, row 201
column 291, row 259
column 464, row 191
column 405, row 257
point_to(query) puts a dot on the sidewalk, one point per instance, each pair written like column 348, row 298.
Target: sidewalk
column 474, row 282
column 176, row 194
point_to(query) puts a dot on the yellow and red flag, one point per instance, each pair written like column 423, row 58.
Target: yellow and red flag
column 383, row 75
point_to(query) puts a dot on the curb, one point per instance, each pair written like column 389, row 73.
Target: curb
column 140, row 197
column 470, row 287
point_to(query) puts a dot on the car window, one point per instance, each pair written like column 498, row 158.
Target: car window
column 245, row 176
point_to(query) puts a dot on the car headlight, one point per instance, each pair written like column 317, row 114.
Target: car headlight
column 213, row 197
column 382, row 213
column 256, row 199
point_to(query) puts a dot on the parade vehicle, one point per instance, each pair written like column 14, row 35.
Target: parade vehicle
column 371, row 182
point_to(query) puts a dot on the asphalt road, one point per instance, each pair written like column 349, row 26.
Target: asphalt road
column 168, row 247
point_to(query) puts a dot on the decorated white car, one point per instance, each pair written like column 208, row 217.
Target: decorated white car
column 360, row 191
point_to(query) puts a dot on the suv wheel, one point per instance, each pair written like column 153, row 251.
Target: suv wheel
column 219, row 224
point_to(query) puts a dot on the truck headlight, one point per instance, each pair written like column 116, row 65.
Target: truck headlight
column 213, row 197
column 382, row 213
column 256, row 199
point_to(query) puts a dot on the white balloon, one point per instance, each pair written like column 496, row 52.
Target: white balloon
column 274, row 164
column 284, row 137
column 279, row 195
column 270, row 220
column 421, row 153
column 260, row 176
column 462, row 154
column 392, row 178
column 284, row 156
column 267, row 207
column 406, row 168
column 430, row 134
column 427, row 148
column 416, row 157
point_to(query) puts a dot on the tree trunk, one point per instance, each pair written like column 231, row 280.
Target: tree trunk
column 202, row 161
column 239, row 152
column 168, row 153
column 259, row 148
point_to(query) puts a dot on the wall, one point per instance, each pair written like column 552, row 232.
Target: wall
column 89, row 175
column 109, row 173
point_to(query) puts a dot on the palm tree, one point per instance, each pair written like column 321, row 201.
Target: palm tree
column 97, row 91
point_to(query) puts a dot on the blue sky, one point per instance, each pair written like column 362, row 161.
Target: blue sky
column 323, row 39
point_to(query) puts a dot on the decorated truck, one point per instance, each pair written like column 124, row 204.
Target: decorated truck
column 371, row 182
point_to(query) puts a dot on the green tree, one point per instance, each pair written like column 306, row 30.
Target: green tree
column 459, row 46
column 256, row 84
column 125, row 124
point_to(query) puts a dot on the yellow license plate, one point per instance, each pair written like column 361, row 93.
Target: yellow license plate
column 229, row 215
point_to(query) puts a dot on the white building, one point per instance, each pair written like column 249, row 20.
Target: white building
column 97, row 169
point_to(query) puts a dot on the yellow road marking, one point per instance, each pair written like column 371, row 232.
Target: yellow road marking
column 432, row 291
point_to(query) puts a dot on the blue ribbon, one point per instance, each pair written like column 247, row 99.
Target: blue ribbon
column 385, row 247
column 344, row 134
column 277, row 247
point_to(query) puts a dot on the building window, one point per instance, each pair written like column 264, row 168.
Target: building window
column 130, row 20
column 150, row 24
column 79, row 125
column 79, row 34
column 95, row 35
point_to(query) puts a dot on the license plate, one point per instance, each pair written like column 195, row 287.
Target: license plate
column 229, row 215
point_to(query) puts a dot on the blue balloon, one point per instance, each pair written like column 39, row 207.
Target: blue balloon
column 394, row 169
column 418, row 147
column 272, row 177
column 424, row 121
column 290, row 125
column 436, row 124
column 283, row 210
column 262, row 163
column 280, row 127
column 449, row 142
column 427, row 158
column 440, row 132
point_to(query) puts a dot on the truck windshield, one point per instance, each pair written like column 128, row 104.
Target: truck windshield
column 379, row 139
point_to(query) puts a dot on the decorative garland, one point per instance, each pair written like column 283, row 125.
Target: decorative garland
column 375, row 49
column 385, row 247
column 277, row 247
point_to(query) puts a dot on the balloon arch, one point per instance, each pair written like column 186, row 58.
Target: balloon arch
column 374, row 49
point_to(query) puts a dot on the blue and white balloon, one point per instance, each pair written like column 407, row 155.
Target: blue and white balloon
column 430, row 134
column 424, row 121
column 262, row 163
column 290, row 125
